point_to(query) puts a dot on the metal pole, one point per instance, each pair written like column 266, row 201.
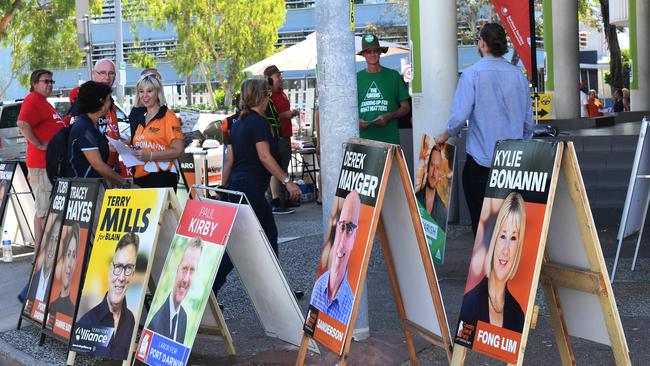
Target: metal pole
column 89, row 46
column 337, row 91
column 119, row 53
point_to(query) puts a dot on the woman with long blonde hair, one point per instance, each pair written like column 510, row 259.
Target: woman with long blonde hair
column 435, row 184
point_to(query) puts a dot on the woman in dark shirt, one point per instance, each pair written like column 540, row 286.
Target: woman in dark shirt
column 249, row 165
column 87, row 146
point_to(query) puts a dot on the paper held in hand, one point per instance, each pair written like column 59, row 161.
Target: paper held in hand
column 126, row 152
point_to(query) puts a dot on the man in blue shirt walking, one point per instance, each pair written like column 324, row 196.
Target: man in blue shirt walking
column 493, row 95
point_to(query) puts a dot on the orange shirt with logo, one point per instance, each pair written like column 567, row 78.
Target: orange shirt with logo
column 157, row 135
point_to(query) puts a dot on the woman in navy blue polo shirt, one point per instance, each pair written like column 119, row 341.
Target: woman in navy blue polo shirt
column 249, row 164
column 87, row 146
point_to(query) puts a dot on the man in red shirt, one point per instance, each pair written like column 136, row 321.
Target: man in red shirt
column 39, row 121
column 103, row 72
column 280, row 102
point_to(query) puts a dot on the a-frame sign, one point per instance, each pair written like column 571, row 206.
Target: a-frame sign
column 16, row 197
column 131, row 243
column 374, row 175
column 637, row 199
column 535, row 193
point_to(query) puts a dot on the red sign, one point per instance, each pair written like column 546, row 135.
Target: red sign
column 209, row 222
column 515, row 17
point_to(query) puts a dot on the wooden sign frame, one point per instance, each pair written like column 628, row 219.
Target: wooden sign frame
column 573, row 272
column 170, row 210
column 398, row 189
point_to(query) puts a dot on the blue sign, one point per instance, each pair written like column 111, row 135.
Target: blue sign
column 157, row 350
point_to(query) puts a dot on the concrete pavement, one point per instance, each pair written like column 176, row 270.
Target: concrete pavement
column 301, row 237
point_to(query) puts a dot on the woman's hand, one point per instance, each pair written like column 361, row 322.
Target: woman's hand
column 143, row 156
column 294, row 191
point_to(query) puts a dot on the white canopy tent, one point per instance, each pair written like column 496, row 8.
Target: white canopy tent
column 302, row 55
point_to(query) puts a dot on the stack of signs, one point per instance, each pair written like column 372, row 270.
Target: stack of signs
column 189, row 118
column 344, row 256
column 116, row 280
column 433, row 192
column 39, row 286
column 185, row 284
column 501, row 279
column 77, row 230
column 6, row 176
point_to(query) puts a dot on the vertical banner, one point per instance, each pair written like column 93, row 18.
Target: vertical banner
column 185, row 283
column 116, row 279
column 500, row 279
column 515, row 17
column 353, row 217
column 69, row 265
column 433, row 184
column 39, row 285
column 6, row 177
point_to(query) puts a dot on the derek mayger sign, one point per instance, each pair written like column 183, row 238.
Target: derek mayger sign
column 341, row 259
column 500, row 280
column 115, row 282
column 185, row 284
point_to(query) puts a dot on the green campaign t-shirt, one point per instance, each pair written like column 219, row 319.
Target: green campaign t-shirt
column 379, row 93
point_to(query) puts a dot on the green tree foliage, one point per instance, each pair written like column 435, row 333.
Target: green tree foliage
column 142, row 60
column 41, row 35
column 625, row 54
column 596, row 12
column 217, row 37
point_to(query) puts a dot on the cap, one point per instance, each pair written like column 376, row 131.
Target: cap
column 270, row 70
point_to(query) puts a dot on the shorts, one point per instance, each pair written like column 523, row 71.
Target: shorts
column 42, row 189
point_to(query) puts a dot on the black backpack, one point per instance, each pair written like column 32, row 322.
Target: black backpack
column 56, row 155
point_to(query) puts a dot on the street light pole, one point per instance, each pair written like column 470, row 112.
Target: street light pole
column 337, row 93
column 119, row 53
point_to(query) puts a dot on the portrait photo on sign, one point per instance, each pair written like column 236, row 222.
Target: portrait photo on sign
column 184, row 288
column 39, row 287
column 67, row 275
column 111, row 296
column 433, row 185
column 334, row 291
column 5, row 185
column 501, row 271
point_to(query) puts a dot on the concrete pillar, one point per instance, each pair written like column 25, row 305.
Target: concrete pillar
column 433, row 35
column 566, row 64
column 339, row 117
column 337, row 92
column 640, row 86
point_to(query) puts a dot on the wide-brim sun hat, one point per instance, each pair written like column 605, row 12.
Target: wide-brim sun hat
column 370, row 42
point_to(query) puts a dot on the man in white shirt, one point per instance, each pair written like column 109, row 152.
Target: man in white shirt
column 584, row 99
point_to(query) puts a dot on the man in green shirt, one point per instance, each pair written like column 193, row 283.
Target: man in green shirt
column 381, row 93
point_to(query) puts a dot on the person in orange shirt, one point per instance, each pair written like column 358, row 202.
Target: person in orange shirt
column 158, row 137
column 594, row 104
